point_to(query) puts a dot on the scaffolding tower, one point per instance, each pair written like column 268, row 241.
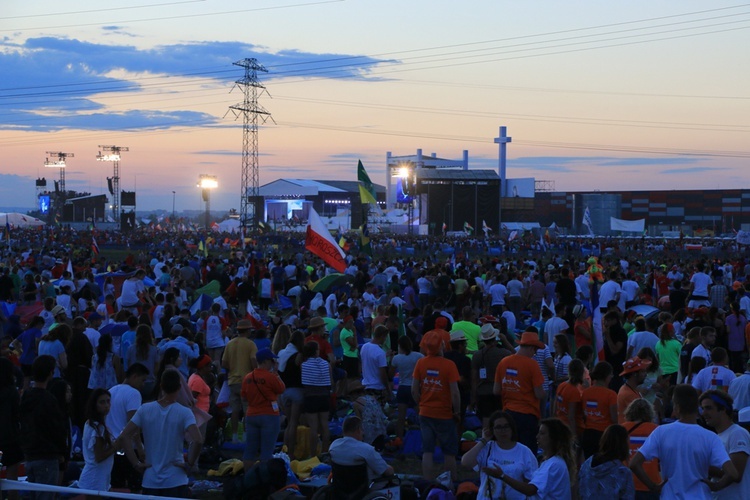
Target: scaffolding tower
column 113, row 154
column 252, row 113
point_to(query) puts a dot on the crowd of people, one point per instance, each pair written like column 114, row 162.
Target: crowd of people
column 624, row 375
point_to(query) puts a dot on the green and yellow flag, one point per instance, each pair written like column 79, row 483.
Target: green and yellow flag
column 366, row 189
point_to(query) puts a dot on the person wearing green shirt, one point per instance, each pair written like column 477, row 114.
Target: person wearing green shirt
column 470, row 328
column 350, row 361
column 668, row 352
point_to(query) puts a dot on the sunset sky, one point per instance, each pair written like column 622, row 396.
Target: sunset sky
column 596, row 95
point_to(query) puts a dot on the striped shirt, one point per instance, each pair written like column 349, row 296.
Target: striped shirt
column 316, row 372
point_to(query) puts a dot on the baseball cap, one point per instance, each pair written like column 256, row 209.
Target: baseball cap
column 634, row 364
column 57, row 310
column 264, row 355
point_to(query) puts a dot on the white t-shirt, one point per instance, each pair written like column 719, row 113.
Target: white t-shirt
column 701, row 282
column 630, row 288
column 498, row 292
column 510, row 321
column 552, row 480
column 214, row 337
column 736, row 440
column 518, row 462
column 373, row 358
column 713, row 377
column 404, row 365
column 48, row 320
column 93, row 336
column 130, row 289
column 639, row 340
column 685, row 452
column 608, row 291
column 163, row 435
column 95, row 475
column 553, row 326
column 739, row 389
column 124, row 399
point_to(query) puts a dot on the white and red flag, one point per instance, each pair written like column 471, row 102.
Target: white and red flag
column 320, row 242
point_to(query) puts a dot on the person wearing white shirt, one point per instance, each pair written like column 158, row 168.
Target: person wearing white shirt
column 717, row 376
column 717, row 409
column 610, row 290
column 699, row 284
column 685, row 451
column 739, row 389
column 632, row 292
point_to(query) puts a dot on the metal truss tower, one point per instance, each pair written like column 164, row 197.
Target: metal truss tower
column 112, row 153
column 252, row 113
column 57, row 159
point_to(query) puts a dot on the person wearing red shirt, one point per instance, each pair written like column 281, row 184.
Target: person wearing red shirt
column 519, row 382
column 568, row 398
column 599, row 408
column 261, row 388
column 319, row 333
column 435, row 388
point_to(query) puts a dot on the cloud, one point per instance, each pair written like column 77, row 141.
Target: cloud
column 570, row 164
column 690, row 170
column 82, row 70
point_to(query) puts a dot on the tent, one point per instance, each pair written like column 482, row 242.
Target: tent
column 228, row 226
column 16, row 219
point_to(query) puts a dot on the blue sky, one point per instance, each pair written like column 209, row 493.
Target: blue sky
column 596, row 95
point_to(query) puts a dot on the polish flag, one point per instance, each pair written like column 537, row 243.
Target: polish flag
column 320, row 242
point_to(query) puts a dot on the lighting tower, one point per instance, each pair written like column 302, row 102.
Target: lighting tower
column 112, row 153
column 207, row 183
column 252, row 113
column 56, row 159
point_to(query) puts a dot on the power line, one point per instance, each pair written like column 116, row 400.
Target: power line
column 111, row 9
column 172, row 17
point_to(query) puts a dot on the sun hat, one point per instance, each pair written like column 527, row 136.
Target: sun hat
column 244, row 324
column 316, row 322
column 488, row 319
column 634, row 365
column 488, row 332
column 532, row 339
column 743, row 415
column 457, row 335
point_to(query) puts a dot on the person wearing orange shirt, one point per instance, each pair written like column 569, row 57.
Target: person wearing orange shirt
column 568, row 399
column 639, row 422
column 599, row 408
column 261, row 388
column 519, row 382
column 435, row 387
column 634, row 371
column 199, row 387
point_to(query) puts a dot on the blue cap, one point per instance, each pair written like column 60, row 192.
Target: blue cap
column 265, row 354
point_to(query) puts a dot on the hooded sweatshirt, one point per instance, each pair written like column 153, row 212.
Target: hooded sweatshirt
column 610, row 480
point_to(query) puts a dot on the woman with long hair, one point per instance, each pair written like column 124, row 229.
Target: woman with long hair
column 54, row 344
column 105, row 365
column 668, row 353
column 99, row 446
column 499, row 446
column 145, row 353
column 568, row 399
column 556, row 473
column 603, row 475
column 281, row 338
column 316, row 381
column 639, row 424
